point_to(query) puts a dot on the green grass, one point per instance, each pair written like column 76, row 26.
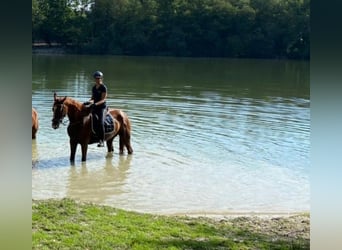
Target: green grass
column 66, row 224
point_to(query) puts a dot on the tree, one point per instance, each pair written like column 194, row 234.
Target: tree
column 233, row 28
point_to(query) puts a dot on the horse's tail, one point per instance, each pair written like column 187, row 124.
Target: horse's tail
column 126, row 122
column 125, row 129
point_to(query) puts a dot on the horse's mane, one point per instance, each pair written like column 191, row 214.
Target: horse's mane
column 75, row 109
column 74, row 103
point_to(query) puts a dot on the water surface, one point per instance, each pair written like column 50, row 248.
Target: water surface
column 209, row 135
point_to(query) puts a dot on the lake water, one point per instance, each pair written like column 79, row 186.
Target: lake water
column 209, row 135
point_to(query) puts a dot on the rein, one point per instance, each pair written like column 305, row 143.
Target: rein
column 60, row 120
column 65, row 121
column 61, row 113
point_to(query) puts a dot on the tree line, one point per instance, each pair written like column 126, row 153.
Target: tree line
column 190, row 28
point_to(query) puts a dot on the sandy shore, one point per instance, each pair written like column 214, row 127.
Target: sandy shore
column 275, row 225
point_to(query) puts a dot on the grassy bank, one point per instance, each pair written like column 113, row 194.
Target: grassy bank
column 66, row 224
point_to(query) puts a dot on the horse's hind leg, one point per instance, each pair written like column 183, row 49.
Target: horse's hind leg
column 33, row 133
column 127, row 142
column 129, row 147
column 121, row 144
column 110, row 147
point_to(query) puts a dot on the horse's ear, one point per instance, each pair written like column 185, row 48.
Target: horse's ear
column 54, row 96
column 64, row 99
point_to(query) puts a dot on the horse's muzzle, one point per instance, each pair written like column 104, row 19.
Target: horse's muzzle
column 55, row 124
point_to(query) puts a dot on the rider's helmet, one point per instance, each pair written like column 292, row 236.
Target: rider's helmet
column 98, row 74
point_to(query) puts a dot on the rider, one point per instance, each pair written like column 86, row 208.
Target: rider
column 98, row 100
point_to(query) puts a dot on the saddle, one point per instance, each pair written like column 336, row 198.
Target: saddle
column 109, row 124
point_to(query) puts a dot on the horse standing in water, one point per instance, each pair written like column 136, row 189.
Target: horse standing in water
column 80, row 128
column 35, row 123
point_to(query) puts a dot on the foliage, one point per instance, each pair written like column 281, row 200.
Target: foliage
column 66, row 224
column 218, row 28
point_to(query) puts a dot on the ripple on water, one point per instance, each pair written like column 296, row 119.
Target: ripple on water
column 205, row 153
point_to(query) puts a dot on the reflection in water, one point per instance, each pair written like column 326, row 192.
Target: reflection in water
column 209, row 135
column 98, row 183
column 35, row 154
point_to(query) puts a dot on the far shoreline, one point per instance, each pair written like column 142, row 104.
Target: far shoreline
column 45, row 49
column 58, row 49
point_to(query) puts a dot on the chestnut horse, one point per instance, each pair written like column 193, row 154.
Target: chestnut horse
column 80, row 126
column 35, row 123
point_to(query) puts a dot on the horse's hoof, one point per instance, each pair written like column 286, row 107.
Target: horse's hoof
column 109, row 155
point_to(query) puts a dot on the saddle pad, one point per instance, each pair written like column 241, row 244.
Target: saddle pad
column 109, row 123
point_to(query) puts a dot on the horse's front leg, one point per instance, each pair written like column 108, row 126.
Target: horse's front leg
column 84, row 147
column 73, row 146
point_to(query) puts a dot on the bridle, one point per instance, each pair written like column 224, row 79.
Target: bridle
column 59, row 113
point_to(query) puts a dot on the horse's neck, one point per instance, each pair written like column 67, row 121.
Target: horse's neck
column 75, row 111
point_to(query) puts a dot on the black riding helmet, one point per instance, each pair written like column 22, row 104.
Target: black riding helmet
column 98, row 74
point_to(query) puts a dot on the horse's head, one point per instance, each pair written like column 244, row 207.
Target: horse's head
column 59, row 111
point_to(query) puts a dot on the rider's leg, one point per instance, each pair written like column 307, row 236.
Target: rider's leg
column 101, row 132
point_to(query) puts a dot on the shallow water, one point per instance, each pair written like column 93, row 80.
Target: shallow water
column 209, row 135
